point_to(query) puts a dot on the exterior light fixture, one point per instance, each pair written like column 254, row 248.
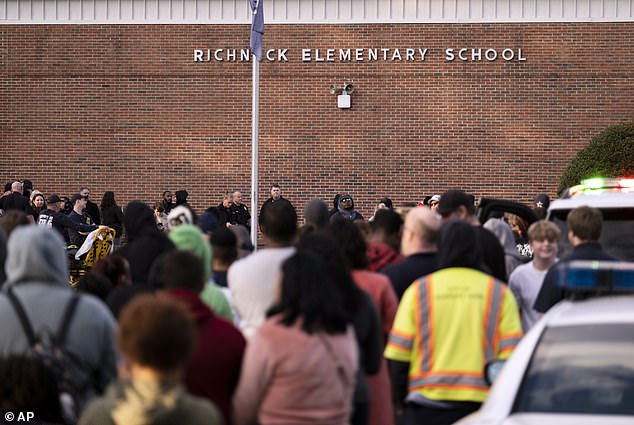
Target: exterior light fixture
column 343, row 93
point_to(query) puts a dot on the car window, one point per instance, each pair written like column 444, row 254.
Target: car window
column 581, row 369
column 616, row 238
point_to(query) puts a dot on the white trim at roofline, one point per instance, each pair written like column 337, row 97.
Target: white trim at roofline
column 313, row 11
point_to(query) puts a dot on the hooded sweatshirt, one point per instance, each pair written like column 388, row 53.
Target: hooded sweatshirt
column 503, row 232
column 214, row 369
column 458, row 246
column 347, row 213
column 181, row 197
column 145, row 241
column 141, row 402
column 37, row 273
column 188, row 237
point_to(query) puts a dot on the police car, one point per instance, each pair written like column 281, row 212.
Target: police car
column 576, row 365
column 615, row 199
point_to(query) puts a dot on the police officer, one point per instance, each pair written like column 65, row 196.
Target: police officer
column 52, row 217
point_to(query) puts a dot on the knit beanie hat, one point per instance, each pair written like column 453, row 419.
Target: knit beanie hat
column 188, row 237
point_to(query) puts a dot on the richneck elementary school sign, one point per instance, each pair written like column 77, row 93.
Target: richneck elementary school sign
column 384, row 54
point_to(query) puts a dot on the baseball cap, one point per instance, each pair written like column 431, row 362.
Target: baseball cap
column 451, row 200
column 435, row 198
column 53, row 199
column 542, row 201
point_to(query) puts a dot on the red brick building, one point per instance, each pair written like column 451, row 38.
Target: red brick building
column 117, row 101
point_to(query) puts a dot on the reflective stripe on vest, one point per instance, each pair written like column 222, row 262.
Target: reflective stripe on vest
column 424, row 315
column 400, row 341
column 491, row 319
column 441, row 379
column 510, row 342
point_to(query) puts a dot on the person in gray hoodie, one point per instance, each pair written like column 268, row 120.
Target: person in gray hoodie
column 37, row 274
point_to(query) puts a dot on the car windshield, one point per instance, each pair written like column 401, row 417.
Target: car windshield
column 617, row 236
column 581, row 369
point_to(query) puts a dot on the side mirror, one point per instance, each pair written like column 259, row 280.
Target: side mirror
column 492, row 370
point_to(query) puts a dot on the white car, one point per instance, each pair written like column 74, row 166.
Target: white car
column 615, row 199
column 576, row 365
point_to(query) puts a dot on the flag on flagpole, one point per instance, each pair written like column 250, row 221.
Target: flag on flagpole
column 257, row 27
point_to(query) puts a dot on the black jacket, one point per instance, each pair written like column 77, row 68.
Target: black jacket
column 224, row 215
column 93, row 211
column 271, row 201
column 113, row 217
column 60, row 222
column 407, row 271
column 74, row 236
column 15, row 201
column 145, row 241
column 550, row 293
column 240, row 215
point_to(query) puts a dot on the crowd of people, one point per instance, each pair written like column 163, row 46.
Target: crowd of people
column 336, row 320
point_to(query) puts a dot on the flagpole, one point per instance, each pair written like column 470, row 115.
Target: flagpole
column 257, row 30
column 254, row 150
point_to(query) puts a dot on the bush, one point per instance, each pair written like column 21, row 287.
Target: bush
column 609, row 154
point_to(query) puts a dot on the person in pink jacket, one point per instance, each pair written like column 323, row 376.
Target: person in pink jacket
column 300, row 366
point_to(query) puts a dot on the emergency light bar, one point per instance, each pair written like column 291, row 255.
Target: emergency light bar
column 600, row 184
column 596, row 276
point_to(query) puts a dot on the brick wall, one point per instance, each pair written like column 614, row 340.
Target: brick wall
column 126, row 108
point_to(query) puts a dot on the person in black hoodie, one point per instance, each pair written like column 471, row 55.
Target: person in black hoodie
column 456, row 204
column 181, row 199
column 145, row 241
column 345, row 209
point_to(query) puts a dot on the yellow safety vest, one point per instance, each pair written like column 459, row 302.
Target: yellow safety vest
column 448, row 326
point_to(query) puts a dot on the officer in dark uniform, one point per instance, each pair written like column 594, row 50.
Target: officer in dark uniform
column 52, row 217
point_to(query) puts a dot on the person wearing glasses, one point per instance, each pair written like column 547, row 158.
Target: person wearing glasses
column 345, row 209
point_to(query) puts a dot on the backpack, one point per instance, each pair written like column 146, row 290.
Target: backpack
column 49, row 349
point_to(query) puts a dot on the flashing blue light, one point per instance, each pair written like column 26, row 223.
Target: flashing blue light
column 596, row 276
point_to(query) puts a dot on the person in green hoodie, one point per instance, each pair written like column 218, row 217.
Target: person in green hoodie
column 188, row 237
